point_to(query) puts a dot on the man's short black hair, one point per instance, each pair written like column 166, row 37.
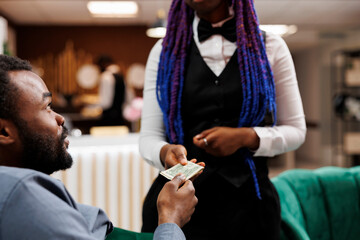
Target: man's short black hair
column 8, row 103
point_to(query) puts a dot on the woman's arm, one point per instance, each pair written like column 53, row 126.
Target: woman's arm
column 152, row 133
column 290, row 130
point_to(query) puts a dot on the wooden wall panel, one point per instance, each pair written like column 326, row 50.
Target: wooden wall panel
column 60, row 51
column 124, row 44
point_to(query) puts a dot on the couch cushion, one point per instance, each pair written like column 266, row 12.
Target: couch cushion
column 122, row 234
column 320, row 204
column 341, row 201
column 293, row 223
column 310, row 196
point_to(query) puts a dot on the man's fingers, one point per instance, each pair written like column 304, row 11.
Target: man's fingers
column 188, row 186
column 178, row 180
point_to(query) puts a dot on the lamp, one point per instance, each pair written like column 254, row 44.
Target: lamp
column 158, row 29
column 282, row 30
column 113, row 9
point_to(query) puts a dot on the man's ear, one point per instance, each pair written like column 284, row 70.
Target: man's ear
column 8, row 132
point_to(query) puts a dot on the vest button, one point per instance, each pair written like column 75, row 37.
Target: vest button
column 217, row 82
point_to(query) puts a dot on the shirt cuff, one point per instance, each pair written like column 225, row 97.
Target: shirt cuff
column 167, row 231
column 265, row 141
column 156, row 155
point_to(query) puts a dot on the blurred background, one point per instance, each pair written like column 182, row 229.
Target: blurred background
column 65, row 41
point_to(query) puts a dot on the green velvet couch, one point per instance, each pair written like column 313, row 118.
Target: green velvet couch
column 321, row 204
column 121, row 234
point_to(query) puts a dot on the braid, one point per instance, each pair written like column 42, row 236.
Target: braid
column 256, row 75
column 255, row 71
column 171, row 71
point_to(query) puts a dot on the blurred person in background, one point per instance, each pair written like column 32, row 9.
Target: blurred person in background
column 134, row 95
column 111, row 91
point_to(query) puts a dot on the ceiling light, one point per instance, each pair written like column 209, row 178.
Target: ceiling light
column 121, row 9
column 158, row 29
column 158, row 32
column 282, row 30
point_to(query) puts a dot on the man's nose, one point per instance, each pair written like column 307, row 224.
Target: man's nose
column 60, row 119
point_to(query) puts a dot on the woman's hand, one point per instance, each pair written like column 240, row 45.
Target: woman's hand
column 224, row 141
column 172, row 154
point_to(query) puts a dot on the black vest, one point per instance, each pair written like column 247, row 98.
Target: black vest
column 210, row 101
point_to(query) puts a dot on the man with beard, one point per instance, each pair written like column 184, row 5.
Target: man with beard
column 33, row 144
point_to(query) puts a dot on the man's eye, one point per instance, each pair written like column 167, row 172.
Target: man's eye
column 49, row 106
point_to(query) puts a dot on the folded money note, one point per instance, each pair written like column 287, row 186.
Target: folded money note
column 189, row 170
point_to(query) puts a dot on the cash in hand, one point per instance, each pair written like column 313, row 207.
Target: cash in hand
column 189, row 170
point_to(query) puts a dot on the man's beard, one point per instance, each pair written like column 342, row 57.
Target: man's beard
column 42, row 152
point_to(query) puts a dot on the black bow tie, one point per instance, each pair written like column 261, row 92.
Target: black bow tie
column 227, row 30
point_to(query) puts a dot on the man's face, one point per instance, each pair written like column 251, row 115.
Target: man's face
column 40, row 129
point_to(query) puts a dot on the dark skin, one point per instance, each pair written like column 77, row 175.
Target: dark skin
column 222, row 141
column 177, row 200
column 210, row 10
column 35, row 109
column 10, row 147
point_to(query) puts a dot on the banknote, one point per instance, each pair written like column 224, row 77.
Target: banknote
column 189, row 170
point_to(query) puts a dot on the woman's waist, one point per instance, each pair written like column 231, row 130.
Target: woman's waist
column 234, row 162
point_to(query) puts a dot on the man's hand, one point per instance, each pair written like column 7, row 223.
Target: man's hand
column 176, row 201
column 224, row 141
column 172, row 154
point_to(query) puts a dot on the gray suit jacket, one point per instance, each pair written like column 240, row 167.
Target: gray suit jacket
column 34, row 205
